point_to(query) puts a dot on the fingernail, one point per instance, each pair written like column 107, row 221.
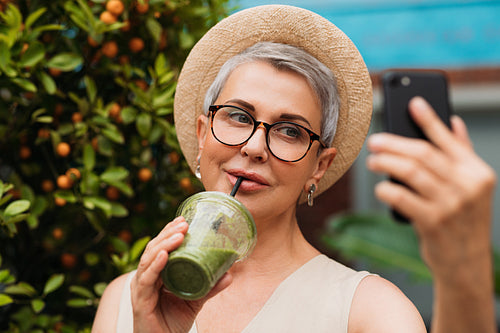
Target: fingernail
column 181, row 226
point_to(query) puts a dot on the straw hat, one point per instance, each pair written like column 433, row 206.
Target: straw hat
column 287, row 25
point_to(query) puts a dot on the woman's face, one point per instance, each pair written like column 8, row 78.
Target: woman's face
column 271, row 187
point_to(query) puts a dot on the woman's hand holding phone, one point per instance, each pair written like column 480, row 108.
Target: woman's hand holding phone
column 448, row 198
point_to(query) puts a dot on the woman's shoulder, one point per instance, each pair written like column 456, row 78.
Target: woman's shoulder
column 109, row 305
column 379, row 306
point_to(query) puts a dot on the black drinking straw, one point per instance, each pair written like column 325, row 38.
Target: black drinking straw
column 236, row 186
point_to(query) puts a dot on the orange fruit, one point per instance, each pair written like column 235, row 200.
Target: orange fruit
column 73, row 174
column 63, row 149
column 58, row 109
column 107, row 17
column 174, row 157
column 76, row 117
column 114, row 110
column 60, row 201
column 142, row 84
column 64, row 182
column 68, row 260
column 124, row 59
column 55, row 72
column 125, row 235
column 110, row 49
column 136, row 44
column 24, row 152
column 185, row 184
column 112, row 193
column 47, row 185
column 126, row 27
column 142, row 8
column 92, row 42
column 43, row 133
column 94, row 142
column 145, row 174
column 25, row 47
column 57, row 233
column 163, row 41
column 115, row 7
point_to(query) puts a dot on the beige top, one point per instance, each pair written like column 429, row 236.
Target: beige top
column 315, row 298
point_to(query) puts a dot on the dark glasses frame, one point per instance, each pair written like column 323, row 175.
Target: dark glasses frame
column 312, row 136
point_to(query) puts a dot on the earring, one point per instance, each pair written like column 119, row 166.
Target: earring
column 197, row 172
column 310, row 194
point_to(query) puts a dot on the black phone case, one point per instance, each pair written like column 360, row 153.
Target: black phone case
column 399, row 87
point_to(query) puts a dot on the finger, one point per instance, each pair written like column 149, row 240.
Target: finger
column 402, row 200
column 178, row 225
column 432, row 126
column 460, row 131
column 421, row 151
column 146, row 283
column 169, row 244
column 408, row 171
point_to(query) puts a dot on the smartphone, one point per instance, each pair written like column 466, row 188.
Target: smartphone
column 399, row 87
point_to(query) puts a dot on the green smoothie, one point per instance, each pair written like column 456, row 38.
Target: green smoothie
column 191, row 273
column 221, row 231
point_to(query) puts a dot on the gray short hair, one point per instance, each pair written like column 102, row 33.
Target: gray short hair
column 288, row 57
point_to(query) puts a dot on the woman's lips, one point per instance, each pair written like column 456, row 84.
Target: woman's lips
column 251, row 181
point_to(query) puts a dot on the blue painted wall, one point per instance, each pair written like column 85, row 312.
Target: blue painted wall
column 411, row 33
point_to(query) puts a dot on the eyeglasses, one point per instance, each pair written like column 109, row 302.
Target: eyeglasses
column 287, row 141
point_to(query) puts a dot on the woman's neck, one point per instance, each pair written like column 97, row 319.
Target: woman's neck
column 281, row 247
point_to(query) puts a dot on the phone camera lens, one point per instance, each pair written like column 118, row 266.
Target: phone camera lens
column 405, row 81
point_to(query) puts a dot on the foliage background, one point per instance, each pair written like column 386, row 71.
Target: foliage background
column 89, row 163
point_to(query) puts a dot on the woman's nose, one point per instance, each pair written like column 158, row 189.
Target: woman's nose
column 256, row 146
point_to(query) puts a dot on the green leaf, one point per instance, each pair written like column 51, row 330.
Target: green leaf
column 118, row 210
column 5, row 59
column 81, row 291
column 49, row 85
column 33, row 55
column 33, row 17
column 161, row 66
column 15, row 219
column 24, row 84
column 186, row 40
column 5, row 276
column 128, row 114
column 114, row 174
column 88, row 157
column 114, row 135
column 5, row 299
column 154, row 28
column 66, row 195
column 78, row 302
column 99, row 288
column 53, row 283
column 37, row 305
column 138, row 247
column 122, row 187
column 21, row 288
column 93, row 202
column 65, row 61
column 91, row 88
column 17, row 207
column 378, row 240
column 92, row 258
column 143, row 124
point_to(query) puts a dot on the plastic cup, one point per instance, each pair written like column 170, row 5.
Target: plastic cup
column 221, row 231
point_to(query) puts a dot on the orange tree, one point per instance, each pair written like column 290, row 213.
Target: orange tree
column 89, row 163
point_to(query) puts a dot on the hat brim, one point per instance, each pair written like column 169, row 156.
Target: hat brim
column 287, row 25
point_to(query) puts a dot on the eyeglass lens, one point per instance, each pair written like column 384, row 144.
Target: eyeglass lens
column 286, row 140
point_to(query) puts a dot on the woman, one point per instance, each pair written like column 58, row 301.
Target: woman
column 285, row 285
